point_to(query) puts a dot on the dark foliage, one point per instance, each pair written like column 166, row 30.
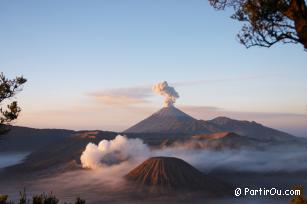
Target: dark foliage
column 268, row 21
column 36, row 199
column 23, row 197
column 45, row 199
column 3, row 199
column 8, row 89
column 80, row 201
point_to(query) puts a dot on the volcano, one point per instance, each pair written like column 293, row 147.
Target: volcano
column 160, row 173
column 172, row 120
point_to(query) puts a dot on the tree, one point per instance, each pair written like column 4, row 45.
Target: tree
column 8, row 89
column 267, row 22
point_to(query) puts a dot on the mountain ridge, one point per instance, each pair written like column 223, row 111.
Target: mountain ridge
column 172, row 120
column 251, row 129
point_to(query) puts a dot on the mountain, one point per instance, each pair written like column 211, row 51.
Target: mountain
column 30, row 139
column 217, row 135
column 172, row 120
column 62, row 154
column 172, row 173
column 223, row 140
column 251, row 129
column 215, row 141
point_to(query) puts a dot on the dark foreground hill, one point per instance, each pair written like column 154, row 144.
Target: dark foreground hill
column 30, row 139
column 170, row 173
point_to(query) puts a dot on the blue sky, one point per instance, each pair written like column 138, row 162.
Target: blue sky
column 70, row 49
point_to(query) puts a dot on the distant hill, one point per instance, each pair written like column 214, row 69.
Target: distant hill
column 251, row 129
column 216, row 141
column 217, row 135
column 224, row 140
column 30, row 139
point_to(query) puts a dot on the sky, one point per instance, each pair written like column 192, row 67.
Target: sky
column 91, row 64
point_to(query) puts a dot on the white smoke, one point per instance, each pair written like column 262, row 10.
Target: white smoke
column 167, row 91
column 125, row 152
column 109, row 152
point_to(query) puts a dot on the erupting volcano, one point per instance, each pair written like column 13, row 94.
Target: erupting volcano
column 171, row 120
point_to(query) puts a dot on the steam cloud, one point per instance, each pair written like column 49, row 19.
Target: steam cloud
column 109, row 152
column 167, row 91
column 125, row 152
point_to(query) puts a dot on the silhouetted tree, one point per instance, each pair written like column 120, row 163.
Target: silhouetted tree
column 37, row 199
column 8, row 89
column 268, row 21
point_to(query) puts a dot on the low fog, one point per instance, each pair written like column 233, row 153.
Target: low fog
column 122, row 150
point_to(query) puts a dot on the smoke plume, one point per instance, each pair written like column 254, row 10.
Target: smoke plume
column 167, row 91
column 110, row 152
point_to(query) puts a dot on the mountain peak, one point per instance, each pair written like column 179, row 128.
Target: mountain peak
column 221, row 120
column 169, row 120
column 164, row 174
column 167, row 172
column 172, row 111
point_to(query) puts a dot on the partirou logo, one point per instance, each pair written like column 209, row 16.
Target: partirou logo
column 266, row 192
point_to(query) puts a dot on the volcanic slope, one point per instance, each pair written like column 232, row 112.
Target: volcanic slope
column 170, row 173
column 172, row 120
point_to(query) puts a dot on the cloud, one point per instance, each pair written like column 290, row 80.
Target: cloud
column 123, row 96
column 137, row 95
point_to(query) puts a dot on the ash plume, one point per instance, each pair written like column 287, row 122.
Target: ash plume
column 167, row 91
